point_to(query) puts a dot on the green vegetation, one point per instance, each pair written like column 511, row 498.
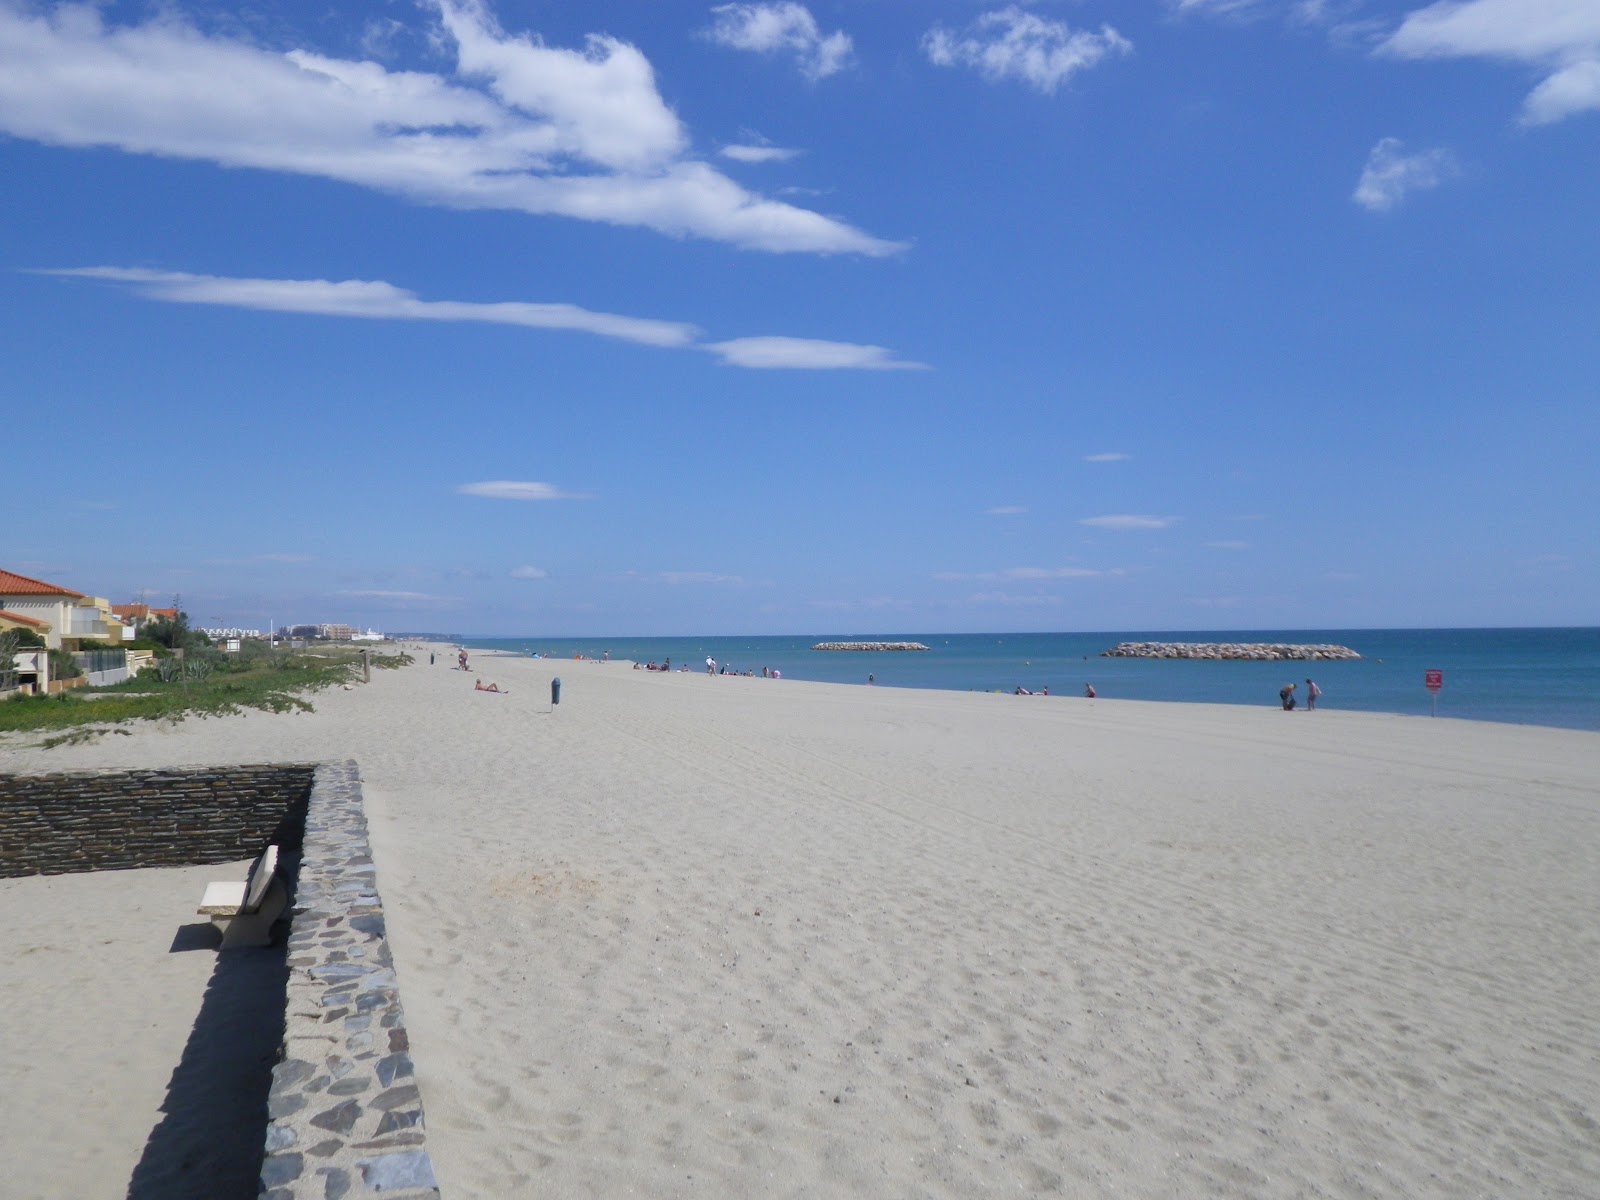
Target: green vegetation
column 202, row 683
column 174, row 633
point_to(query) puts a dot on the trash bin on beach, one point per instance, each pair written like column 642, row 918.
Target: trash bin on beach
column 555, row 691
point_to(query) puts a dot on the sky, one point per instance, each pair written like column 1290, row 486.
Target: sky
column 654, row 318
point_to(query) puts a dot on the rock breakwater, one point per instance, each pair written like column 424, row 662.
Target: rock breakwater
column 869, row 646
column 1263, row 651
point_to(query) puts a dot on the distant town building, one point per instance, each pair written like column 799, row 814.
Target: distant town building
column 137, row 616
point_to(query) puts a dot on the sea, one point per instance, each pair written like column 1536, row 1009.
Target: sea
column 1518, row 676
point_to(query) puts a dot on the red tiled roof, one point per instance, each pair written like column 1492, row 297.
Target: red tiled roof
column 12, row 584
column 139, row 612
column 22, row 620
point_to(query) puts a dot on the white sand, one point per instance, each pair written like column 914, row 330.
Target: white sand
column 694, row 936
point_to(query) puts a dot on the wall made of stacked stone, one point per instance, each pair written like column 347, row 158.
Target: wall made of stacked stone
column 63, row 822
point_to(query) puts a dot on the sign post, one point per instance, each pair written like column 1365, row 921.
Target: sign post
column 1433, row 681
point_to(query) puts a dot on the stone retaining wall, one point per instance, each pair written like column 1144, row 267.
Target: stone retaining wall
column 345, row 1113
column 62, row 822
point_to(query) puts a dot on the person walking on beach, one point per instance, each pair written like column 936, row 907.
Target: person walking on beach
column 1312, row 692
column 461, row 659
column 711, row 665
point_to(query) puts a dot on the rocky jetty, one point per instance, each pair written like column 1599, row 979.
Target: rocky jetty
column 1262, row 651
column 869, row 646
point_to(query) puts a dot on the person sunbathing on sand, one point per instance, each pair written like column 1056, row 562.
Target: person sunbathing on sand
column 478, row 686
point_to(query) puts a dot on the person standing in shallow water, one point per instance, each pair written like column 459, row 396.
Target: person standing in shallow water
column 1312, row 692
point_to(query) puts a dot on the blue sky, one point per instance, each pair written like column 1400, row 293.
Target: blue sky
column 655, row 318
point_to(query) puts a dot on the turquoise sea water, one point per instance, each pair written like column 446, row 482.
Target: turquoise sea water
column 1521, row 676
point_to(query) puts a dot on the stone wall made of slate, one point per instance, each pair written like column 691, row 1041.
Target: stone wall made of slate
column 63, row 822
column 345, row 1113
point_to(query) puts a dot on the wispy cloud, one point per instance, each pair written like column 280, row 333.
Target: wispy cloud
column 395, row 597
column 1012, row 43
column 529, row 573
column 1026, row 574
column 518, row 125
column 700, row 577
column 808, row 354
column 1125, row 521
column 1056, row 573
column 257, row 559
column 1012, row 600
column 377, row 300
column 1390, row 174
column 782, row 28
column 864, row 604
column 1112, row 456
column 746, row 153
column 1561, row 38
column 684, row 579
column 510, row 489
column 1551, row 562
column 1005, row 510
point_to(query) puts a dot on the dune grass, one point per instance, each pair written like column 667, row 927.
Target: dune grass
column 273, row 682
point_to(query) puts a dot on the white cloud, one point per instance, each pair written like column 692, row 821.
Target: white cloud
column 1559, row 37
column 374, row 299
column 398, row 597
column 510, row 489
column 529, row 573
column 254, row 559
column 1390, row 175
column 377, row 300
column 1055, row 573
column 1125, row 521
column 702, row 577
column 781, row 28
column 1012, row 43
column 518, row 125
column 1114, row 456
column 808, row 354
column 1215, row 6
column 1009, row 600
column 740, row 152
column 1005, row 510
column 1023, row 574
column 1572, row 89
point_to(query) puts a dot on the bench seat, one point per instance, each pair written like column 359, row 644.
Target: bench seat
column 246, row 911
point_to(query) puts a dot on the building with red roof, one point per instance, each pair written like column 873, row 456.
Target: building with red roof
column 68, row 617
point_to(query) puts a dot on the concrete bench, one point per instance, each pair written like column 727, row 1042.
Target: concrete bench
column 245, row 911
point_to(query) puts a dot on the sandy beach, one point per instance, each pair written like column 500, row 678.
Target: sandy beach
column 688, row 936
